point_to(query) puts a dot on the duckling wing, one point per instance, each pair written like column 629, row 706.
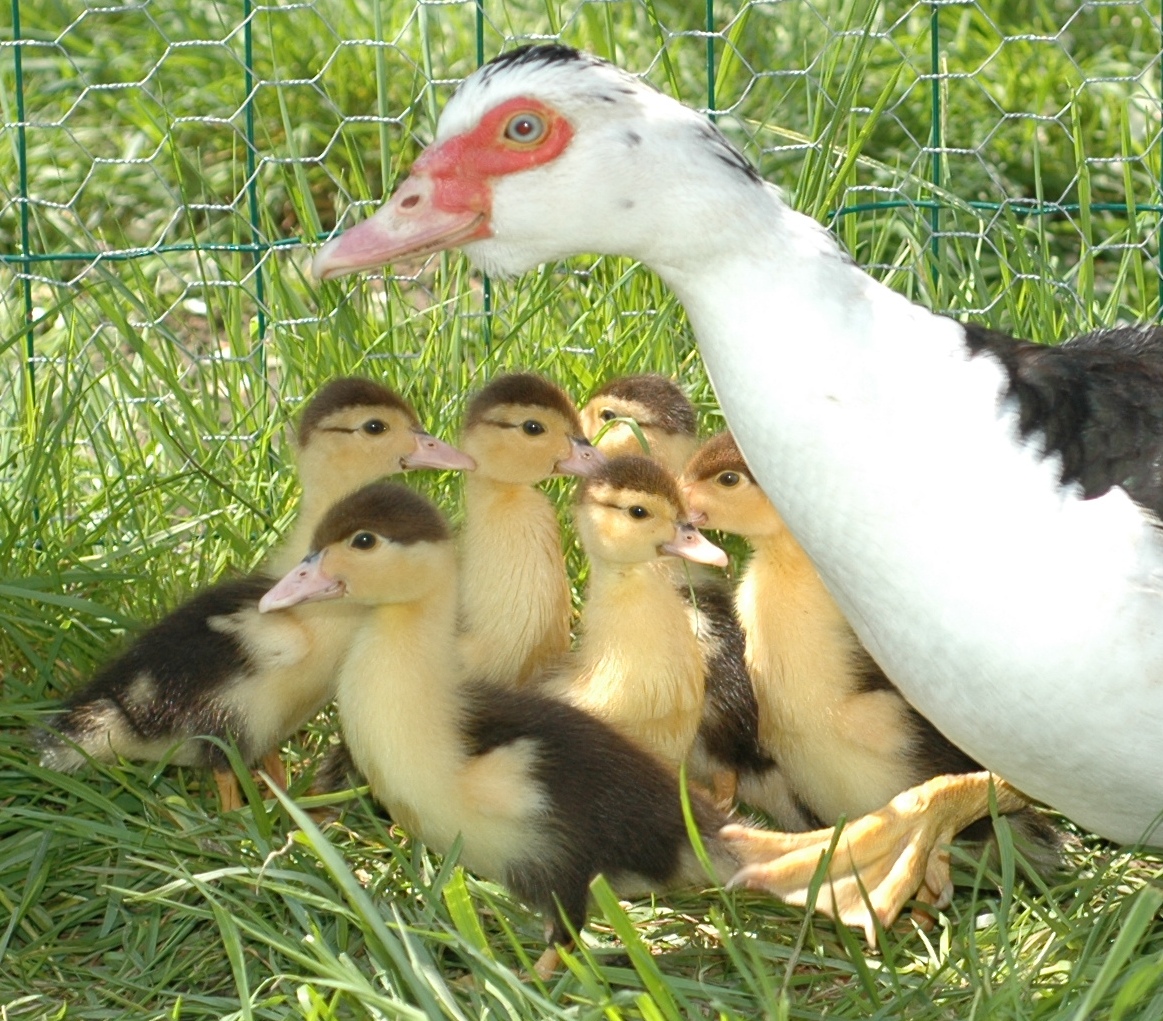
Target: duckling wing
column 166, row 685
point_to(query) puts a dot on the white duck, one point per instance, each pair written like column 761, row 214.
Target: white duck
column 984, row 510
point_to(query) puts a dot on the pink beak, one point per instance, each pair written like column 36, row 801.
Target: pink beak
column 410, row 223
column 690, row 544
column 306, row 582
column 433, row 453
column 584, row 459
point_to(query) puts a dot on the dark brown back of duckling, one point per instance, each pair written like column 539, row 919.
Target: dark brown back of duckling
column 168, row 683
column 729, row 732
column 612, row 808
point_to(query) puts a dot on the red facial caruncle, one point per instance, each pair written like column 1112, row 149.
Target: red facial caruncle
column 517, row 135
column 447, row 199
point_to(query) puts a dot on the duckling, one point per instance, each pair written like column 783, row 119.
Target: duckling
column 727, row 742
column 663, row 413
column 638, row 666
column 845, row 739
column 543, row 796
column 215, row 667
column 515, row 604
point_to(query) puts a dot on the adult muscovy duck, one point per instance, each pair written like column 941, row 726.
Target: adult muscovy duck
column 985, row 510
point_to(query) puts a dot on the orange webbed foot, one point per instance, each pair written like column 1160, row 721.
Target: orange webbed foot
column 547, row 964
column 881, row 860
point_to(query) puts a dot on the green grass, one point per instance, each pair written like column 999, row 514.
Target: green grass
column 145, row 454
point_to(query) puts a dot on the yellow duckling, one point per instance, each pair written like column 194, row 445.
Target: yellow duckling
column 515, row 605
column 543, row 796
column 638, row 666
column 663, row 413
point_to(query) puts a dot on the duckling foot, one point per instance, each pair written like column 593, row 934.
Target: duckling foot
column 880, row 860
column 272, row 764
column 547, row 964
column 229, row 793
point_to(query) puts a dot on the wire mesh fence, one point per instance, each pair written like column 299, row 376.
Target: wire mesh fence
column 162, row 164
column 201, row 141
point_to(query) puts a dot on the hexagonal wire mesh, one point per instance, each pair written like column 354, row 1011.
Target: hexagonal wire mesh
column 163, row 161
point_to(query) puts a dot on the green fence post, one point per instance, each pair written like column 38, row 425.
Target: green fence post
column 257, row 248
column 711, row 59
column 25, row 245
column 936, row 137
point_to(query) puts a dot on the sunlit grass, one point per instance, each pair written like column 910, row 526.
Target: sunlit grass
column 143, row 453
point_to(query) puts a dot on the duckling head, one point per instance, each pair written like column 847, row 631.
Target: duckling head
column 663, row 414
column 722, row 493
column 522, row 429
column 382, row 544
column 355, row 430
column 631, row 511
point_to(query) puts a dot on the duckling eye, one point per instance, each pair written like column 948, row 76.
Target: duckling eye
column 729, row 479
column 525, row 128
column 532, row 427
column 608, row 415
column 374, row 426
column 364, row 540
column 638, row 511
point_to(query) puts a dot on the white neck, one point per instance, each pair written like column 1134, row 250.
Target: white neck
column 895, row 461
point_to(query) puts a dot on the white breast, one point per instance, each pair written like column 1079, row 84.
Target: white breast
column 1022, row 620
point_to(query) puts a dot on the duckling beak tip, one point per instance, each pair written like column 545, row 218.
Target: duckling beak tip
column 306, row 582
column 430, row 452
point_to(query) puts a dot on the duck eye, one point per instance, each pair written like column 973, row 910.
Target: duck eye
column 374, row 426
column 364, row 540
column 638, row 511
column 525, row 128
column 608, row 415
column 532, row 427
column 729, row 479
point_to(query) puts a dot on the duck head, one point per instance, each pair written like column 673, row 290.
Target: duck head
column 381, row 544
column 544, row 153
column 522, row 429
column 631, row 512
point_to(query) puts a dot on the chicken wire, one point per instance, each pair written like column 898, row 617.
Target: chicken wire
column 177, row 155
